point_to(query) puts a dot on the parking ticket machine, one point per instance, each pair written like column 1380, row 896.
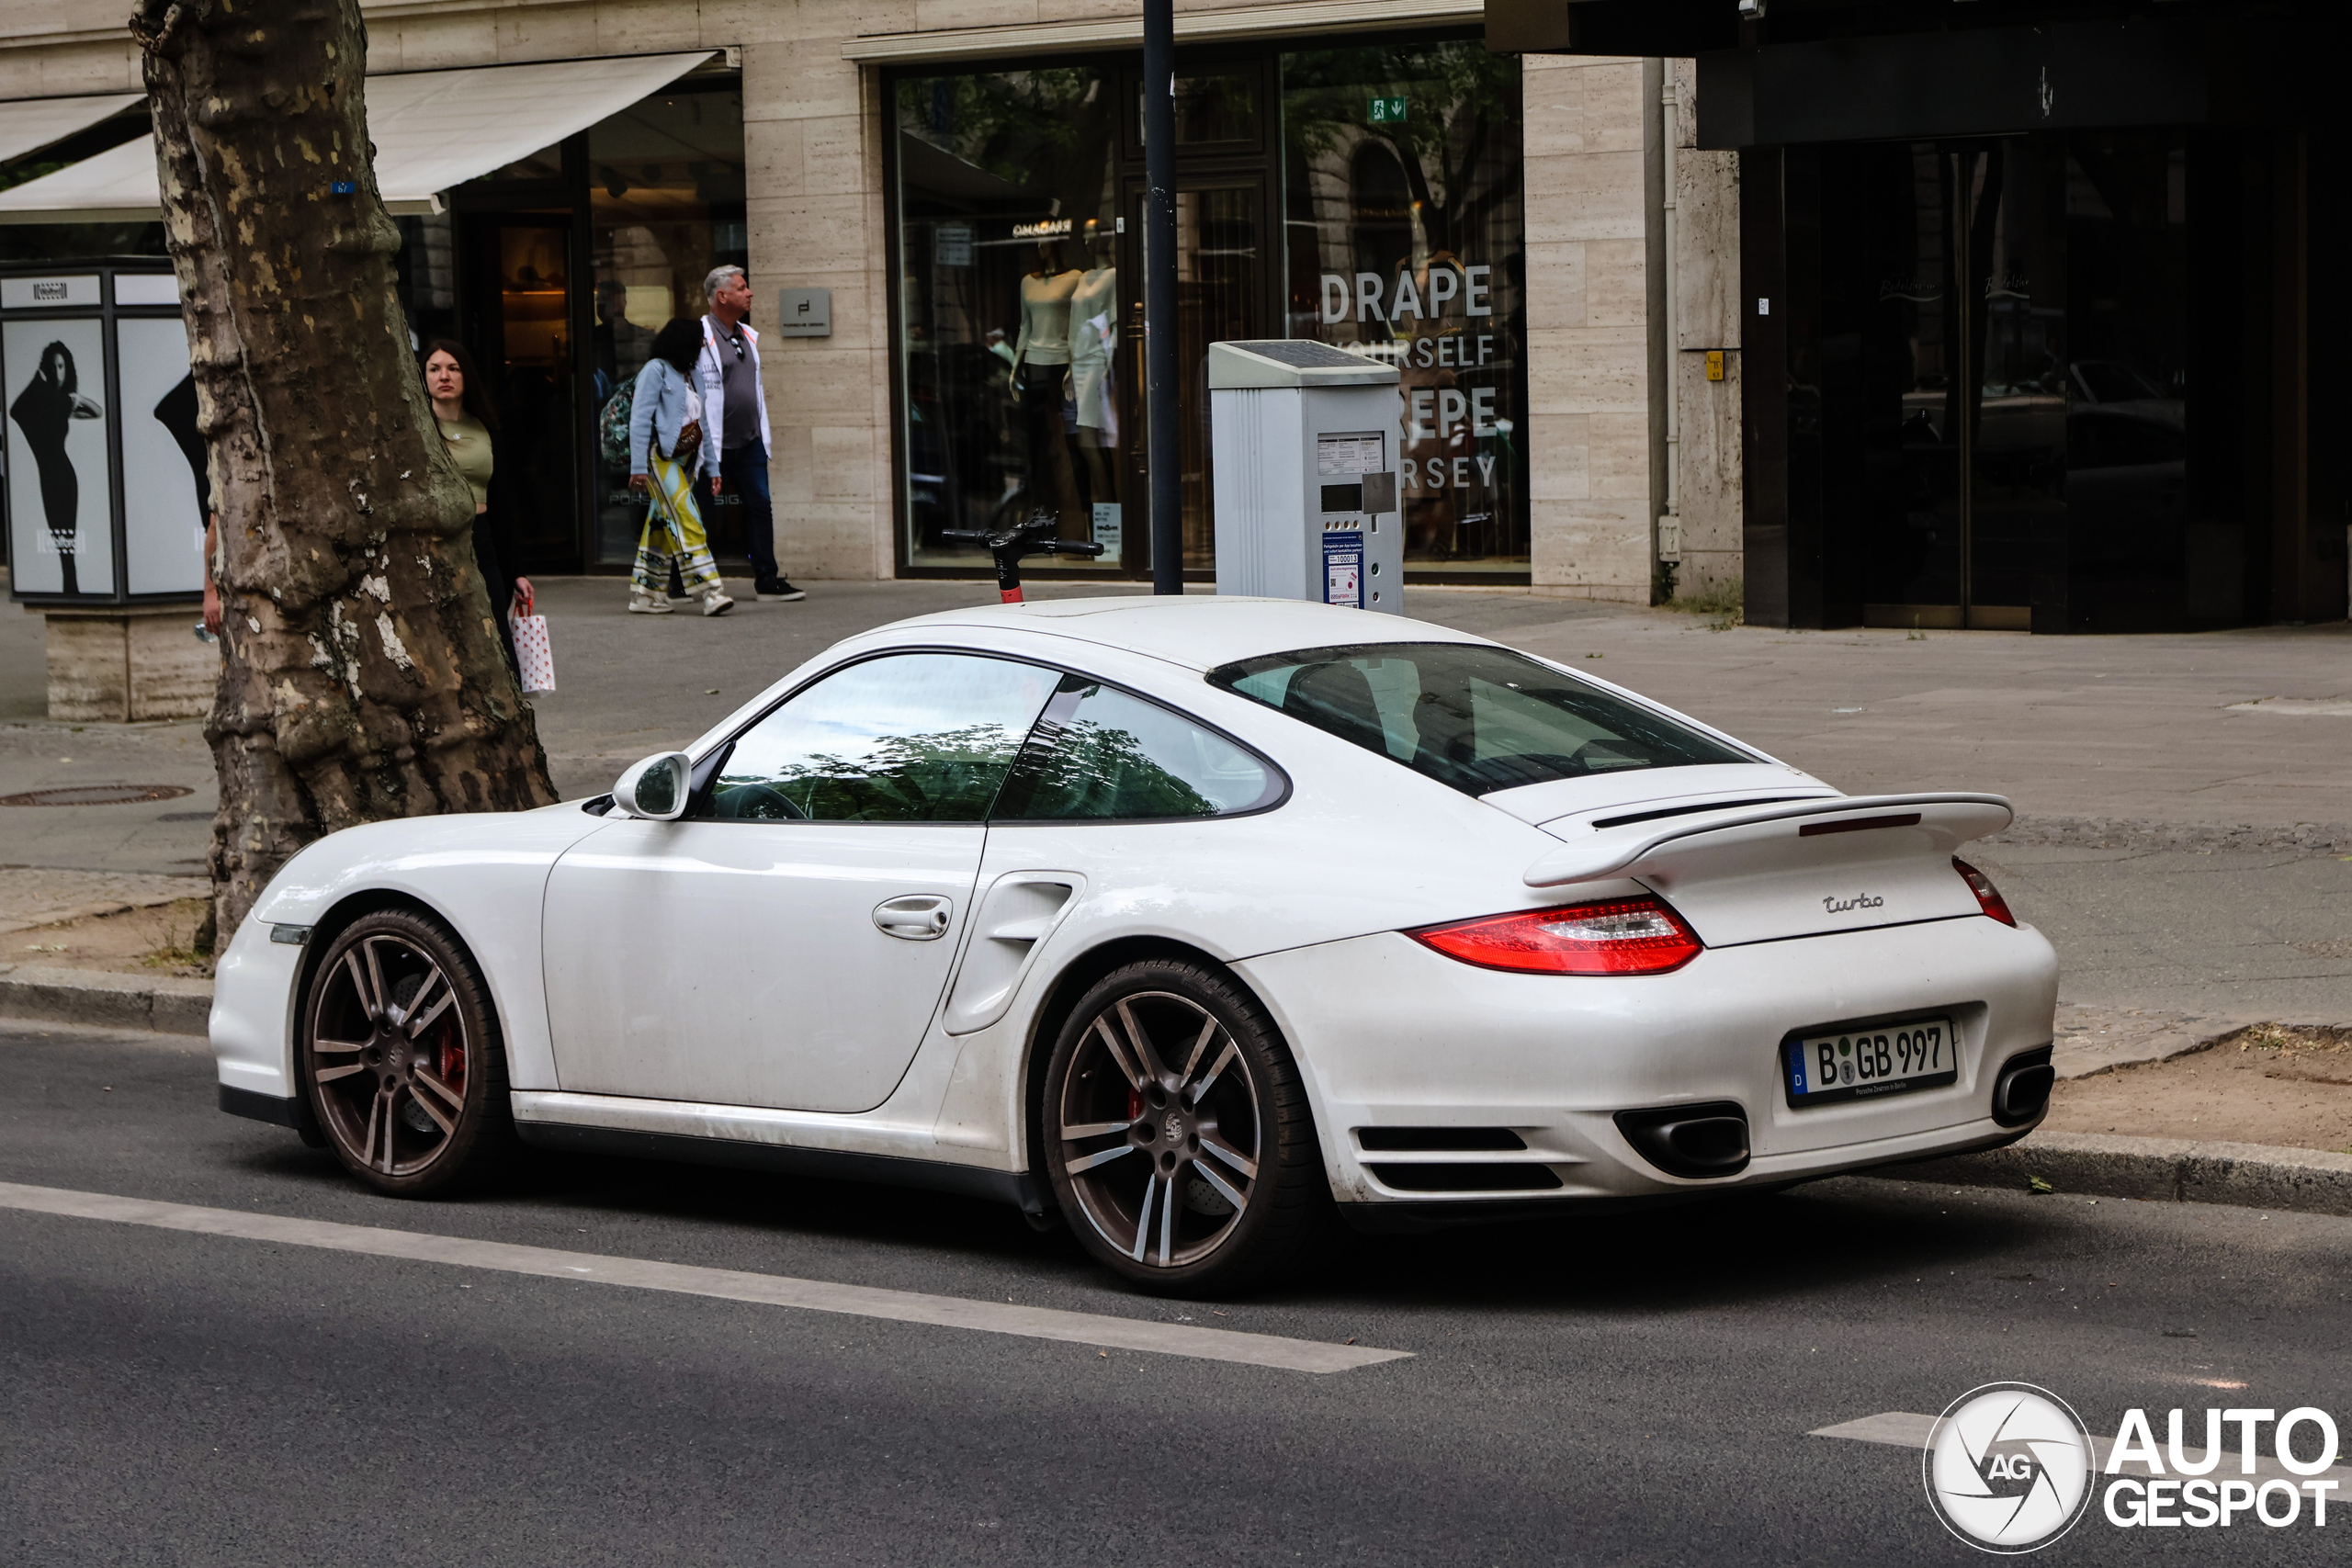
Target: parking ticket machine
column 1305, row 440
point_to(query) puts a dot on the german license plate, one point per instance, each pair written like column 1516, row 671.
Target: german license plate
column 1856, row 1064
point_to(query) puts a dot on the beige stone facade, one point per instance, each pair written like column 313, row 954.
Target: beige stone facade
column 122, row 666
column 1596, row 175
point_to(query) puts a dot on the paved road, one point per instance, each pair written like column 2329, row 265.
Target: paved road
column 1606, row 1392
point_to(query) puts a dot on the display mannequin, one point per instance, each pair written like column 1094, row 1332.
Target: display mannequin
column 1041, row 376
column 1094, row 344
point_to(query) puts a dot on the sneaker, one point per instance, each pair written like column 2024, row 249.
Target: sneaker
column 779, row 593
column 641, row 603
column 717, row 603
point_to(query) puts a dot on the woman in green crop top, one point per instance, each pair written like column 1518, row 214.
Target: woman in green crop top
column 470, row 427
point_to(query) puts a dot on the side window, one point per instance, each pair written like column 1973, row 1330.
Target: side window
column 1100, row 755
column 906, row 737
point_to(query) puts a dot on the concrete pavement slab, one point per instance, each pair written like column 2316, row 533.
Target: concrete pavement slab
column 32, row 896
column 2096, row 1040
column 2143, row 728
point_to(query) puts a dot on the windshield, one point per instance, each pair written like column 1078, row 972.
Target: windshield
column 1474, row 718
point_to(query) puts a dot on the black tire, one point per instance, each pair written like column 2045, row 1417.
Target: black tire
column 1190, row 1167
column 401, row 1059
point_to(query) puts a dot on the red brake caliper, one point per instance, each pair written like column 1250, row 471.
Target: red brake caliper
column 453, row 1059
column 1134, row 1104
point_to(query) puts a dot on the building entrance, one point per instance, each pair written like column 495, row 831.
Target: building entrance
column 1992, row 352
column 520, row 307
column 1970, row 415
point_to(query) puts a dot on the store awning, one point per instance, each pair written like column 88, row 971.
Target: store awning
column 1123, row 28
column 27, row 125
column 433, row 129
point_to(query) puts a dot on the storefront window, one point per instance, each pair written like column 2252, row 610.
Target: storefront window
column 1394, row 171
column 1403, row 199
column 665, row 193
column 1012, row 310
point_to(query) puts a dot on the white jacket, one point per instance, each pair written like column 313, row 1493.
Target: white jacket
column 711, row 371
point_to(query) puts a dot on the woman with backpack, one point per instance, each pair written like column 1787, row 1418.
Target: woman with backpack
column 665, row 451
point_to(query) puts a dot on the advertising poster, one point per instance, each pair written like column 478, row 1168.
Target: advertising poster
column 59, row 498
column 163, row 484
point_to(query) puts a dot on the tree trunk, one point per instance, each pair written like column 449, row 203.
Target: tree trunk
column 362, row 677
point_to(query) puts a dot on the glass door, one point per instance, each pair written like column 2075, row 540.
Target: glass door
column 521, row 327
column 1969, row 382
column 1222, row 271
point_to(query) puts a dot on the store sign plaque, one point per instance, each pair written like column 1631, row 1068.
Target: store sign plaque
column 805, row 313
column 35, row 293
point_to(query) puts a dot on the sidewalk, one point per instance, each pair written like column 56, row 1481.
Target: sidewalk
column 2181, row 828
column 2185, row 835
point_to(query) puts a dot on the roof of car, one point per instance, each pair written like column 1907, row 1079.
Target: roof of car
column 1197, row 631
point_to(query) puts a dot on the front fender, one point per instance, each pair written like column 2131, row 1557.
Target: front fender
column 485, row 873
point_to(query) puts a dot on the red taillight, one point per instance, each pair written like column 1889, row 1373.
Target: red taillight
column 1614, row 936
column 1988, row 898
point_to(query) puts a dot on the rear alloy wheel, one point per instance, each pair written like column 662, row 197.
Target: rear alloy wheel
column 401, row 1057
column 1177, row 1132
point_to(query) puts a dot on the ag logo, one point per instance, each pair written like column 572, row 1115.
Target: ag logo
column 2008, row 1468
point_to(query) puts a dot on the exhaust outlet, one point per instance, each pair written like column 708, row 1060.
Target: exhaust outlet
column 2022, row 1092
column 1699, row 1142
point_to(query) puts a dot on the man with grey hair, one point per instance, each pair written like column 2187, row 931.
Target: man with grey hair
column 735, row 424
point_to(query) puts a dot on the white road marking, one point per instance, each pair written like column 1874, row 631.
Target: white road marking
column 726, row 1285
column 1895, row 1427
column 1905, row 1431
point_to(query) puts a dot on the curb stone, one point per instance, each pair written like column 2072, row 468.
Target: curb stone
column 2109, row 1164
column 2259, row 1176
column 164, row 1004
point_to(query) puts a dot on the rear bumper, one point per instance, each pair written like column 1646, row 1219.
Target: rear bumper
column 1413, row 1216
column 1392, row 1035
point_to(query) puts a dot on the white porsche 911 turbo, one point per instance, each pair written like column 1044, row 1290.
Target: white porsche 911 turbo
column 1182, row 918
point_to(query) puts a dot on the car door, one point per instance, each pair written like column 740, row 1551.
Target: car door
column 784, row 944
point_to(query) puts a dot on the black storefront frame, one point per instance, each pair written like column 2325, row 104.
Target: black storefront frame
column 477, row 206
column 2256, row 319
column 108, row 312
column 1210, row 162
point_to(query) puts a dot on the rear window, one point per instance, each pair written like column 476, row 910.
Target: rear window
column 1474, row 718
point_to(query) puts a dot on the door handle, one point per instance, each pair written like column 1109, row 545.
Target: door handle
column 915, row 917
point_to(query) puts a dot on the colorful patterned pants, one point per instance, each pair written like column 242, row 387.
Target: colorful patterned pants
column 673, row 531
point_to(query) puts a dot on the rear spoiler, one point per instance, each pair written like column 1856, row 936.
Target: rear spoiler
column 1616, row 853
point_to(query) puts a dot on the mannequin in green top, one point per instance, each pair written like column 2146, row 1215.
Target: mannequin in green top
column 469, row 426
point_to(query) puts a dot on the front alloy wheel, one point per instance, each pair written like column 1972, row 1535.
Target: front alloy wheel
column 1177, row 1132
column 401, row 1056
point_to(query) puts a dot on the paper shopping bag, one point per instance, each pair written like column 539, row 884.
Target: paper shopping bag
column 534, row 658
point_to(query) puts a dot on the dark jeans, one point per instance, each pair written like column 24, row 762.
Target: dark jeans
column 743, row 475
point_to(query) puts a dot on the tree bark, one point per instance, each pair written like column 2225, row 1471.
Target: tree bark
column 362, row 677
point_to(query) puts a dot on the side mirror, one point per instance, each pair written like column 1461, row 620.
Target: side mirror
column 656, row 788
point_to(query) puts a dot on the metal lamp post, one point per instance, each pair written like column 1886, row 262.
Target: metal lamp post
column 1164, row 432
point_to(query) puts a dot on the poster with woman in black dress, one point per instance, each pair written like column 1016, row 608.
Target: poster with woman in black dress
column 45, row 411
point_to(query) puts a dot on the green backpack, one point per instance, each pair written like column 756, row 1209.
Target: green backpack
column 612, row 428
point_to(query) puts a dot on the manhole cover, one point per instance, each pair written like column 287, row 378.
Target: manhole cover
column 97, row 795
